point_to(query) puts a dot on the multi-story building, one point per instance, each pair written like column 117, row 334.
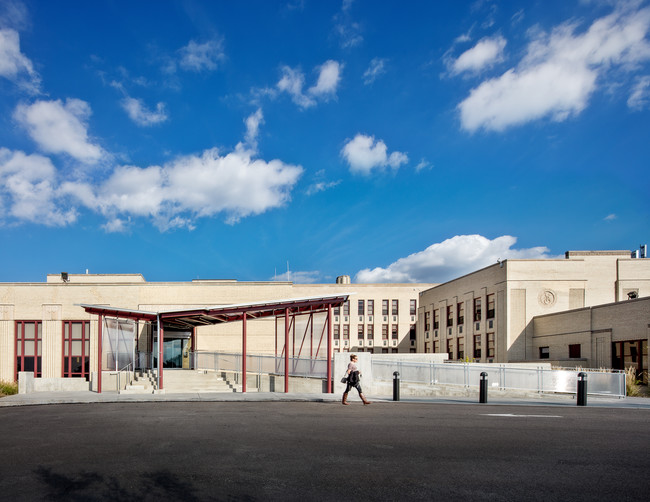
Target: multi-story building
column 487, row 316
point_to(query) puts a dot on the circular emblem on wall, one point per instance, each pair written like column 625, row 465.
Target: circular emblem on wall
column 547, row 298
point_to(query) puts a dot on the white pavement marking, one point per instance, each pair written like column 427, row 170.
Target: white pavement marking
column 511, row 415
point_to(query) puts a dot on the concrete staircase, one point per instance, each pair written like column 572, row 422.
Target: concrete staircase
column 183, row 381
column 144, row 382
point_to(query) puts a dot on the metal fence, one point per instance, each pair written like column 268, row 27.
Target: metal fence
column 538, row 379
column 260, row 364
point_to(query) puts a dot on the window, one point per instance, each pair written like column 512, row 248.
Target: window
column 461, row 313
column 361, row 307
column 436, row 346
column 477, row 346
column 337, row 310
column 544, row 353
column 490, row 306
column 371, row 307
column 360, row 331
column 477, row 309
column 346, row 307
column 346, row 332
column 436, row 319
column 394, row 331
column 574, row 351
column 384, row 331
column 490, row 347
column 450, row 349
column 29, row 336
column 336, row 332
column 461, row 349
column 384, row 307
column 76, row 349
column 413, row 308
column 371, row 331
column 450, row 315
column 427, row 321
column 412, row 332
column 395, row 305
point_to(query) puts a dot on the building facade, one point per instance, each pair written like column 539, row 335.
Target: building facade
column 488, row 315
column 44, row 329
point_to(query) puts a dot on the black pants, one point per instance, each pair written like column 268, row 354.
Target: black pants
column 355, row 385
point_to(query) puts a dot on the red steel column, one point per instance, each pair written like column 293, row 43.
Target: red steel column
column 329, row 349
column 243, row 350
column 286, row 350
column 161, row 337
column 99, row 350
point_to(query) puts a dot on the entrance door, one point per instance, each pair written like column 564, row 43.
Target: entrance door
column 173, row 353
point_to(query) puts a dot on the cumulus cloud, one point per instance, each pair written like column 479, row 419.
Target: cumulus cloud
column 198, row 57
column 235, row 184
column 484, row 54
column 364, row 153
column 451, row 258
column 28, row 189
column 253, row 123
column 141, row 115
column 640, row 96
column 377, row 67
column 59, row 127
column 293, row 81
column 559, row 72
column 14, row 65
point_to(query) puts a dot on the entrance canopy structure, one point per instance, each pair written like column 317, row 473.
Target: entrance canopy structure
column 206, row 316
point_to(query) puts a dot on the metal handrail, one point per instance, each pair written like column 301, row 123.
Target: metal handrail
column 119, row 387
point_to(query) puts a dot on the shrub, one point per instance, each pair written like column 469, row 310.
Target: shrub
column 8, row 388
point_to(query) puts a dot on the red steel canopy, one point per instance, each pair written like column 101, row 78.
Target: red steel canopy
column 205, row 316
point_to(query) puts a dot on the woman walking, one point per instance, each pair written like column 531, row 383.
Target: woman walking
column 354, row 379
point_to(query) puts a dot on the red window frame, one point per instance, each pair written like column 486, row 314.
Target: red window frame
column 69, row 355
column 19, row 348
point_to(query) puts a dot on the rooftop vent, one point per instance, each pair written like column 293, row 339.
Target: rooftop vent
column 343, row 279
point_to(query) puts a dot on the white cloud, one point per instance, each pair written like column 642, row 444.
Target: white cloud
column 610, row 217
column 449, row 259
column 484, row 54
column 348, row 31
column 28, row 188
column 364, row 154
column 14, row 65
column 640, row 95
column 141, row 115
column 60, row 128
column 321, row 186
column 559, row 72
column 235, row 184
column 253, row 123
column 306, row 277
column 198, row 57
column 293, row 81
column 377, row 67
column 422, row 165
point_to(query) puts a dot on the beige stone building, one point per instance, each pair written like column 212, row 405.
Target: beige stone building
column 497, row 314
column 44, row 329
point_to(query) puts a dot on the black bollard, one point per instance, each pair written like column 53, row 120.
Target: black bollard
column 483, row 388
column 396, row 386
column 582, row 389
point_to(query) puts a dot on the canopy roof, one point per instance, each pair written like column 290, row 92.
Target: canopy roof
column 203, row 316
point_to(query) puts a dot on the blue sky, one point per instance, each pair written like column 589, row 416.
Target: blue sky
column 389, row 141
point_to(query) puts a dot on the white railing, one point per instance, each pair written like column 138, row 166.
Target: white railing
column 260, row 364
column 126, row 369
column 536, row 379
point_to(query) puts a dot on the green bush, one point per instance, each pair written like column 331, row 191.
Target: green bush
column 8, row 388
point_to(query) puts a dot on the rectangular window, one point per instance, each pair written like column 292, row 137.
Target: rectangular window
column 461, row 349
column 412, row 332
column 450, row 349
column 461, row 314
column 436, row 346
column 413, row 308
column 360, row 331
column 574, row 351
column 450, row 315
column 477, row 309
column 337, row 310
column 477, row 346
column 360, row 307
column 336, row 332
column 490, row 347
column 384, row 331
column 490, row 306
column 371, row 331
column 346, row 332
column 384, row 307
column 371, row 307
column 395, row 305
column 393, row 331
column 436, row 319
column 544, row 353
column 29, row 340
column 346, row 307
column 427, row 321
column 76, row 349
